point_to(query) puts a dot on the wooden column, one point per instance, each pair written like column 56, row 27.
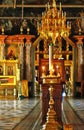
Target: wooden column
column 2, row 46
column 21, row 61
column 80, row 60
column 25, row 56
column 79, row 63
column 28, row 60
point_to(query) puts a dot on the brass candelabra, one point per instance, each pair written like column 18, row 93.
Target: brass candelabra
column 53, row 24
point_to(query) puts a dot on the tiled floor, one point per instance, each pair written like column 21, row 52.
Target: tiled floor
column 73, row 113
column 78, row 107
column 13, row 111
column 25, row 114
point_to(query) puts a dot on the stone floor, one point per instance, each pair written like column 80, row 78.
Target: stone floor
column 70, row 109
column 26, row 114
column 13, row 111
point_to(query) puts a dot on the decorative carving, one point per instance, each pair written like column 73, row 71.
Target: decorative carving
column 57, row 96
column 51, row 122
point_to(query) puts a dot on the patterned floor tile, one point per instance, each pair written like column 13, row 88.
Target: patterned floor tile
column 78, row 106
column 12, row 112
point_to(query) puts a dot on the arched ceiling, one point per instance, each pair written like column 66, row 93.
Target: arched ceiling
column 42, row 1
column 15, row 11
column 34, row 8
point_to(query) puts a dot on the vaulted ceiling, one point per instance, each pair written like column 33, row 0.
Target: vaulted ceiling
column 15, row 11
column 28, row 8
column 41, row 1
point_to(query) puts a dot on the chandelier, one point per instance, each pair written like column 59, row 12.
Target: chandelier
column 53, row 24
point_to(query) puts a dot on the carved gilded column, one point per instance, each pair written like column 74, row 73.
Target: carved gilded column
column 2, row 46
column 21, row 57
column 79, row 57
column 2, row 55
column 79, row 62
column 28, row 61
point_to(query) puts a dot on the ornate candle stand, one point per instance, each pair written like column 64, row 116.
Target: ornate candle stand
column 55, row 78
column 52, row 123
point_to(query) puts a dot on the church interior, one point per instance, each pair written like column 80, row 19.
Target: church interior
column 41, row 65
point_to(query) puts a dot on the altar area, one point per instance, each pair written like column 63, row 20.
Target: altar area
column 11, row 86
column 15, row 69
column 9, row 77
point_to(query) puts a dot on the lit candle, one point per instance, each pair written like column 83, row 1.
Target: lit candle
column 28, row 30
column 43, row 68
column 50, row 57
column 21, row 29
column 57, row 68
column 2, row 30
